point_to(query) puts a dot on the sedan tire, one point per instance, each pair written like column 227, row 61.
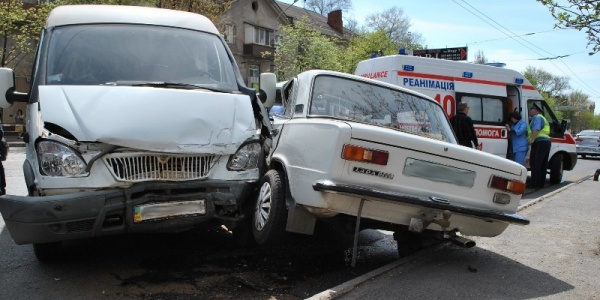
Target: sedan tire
column 270, row 214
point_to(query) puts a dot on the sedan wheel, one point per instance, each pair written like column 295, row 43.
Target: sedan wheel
column 270, row 214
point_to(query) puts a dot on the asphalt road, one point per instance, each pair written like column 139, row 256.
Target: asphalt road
column 557, row 256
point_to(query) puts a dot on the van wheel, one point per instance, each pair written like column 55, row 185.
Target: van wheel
column 270, row 213
column 583, row 156
column 556, row 169
column 46, row 252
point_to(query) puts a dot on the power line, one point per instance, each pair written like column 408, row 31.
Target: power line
column 514, row 36
column 510, row 37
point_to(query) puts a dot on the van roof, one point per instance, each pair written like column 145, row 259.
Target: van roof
column 95, row 14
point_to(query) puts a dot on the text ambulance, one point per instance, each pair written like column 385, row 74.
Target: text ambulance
column 491, row 93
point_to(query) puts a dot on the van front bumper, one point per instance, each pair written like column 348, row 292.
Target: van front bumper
column 44, row 219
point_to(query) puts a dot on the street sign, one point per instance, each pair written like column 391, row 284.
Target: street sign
column 459, row 53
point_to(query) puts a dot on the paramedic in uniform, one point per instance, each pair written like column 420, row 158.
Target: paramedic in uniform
column 539, row 139
column 463, row 127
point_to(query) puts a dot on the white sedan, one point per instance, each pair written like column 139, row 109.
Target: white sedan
column 374, row 155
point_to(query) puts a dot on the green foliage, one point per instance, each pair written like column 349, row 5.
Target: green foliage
column 582, row 15
column 304, row 48
column 362, row 46
column 20, row 30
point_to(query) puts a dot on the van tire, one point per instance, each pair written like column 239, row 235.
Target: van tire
column 556, row 169
column 270, row 214
column 47, row 252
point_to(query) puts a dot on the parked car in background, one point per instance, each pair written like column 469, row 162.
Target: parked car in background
column 369, row 154
column 588, row 143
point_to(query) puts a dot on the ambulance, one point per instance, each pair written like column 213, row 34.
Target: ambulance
column 491, row 93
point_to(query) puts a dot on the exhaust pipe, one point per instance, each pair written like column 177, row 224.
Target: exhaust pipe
column 461, row 241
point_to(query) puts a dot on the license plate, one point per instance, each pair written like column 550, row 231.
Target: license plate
column 154, row 211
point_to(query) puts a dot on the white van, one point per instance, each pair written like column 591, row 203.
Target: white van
column 138, row 121
column 491, row 93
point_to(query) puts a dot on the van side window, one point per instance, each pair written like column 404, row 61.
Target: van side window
column 485, row 109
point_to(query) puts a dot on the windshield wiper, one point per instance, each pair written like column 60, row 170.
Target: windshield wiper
column 164, row 84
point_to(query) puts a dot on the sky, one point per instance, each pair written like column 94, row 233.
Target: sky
column 519, row 33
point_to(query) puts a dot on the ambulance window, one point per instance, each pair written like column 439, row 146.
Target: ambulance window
column 474, row 104
column 484, row 109
column 492, row 110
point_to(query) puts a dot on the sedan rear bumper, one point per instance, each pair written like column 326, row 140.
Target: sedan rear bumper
column 360, row 191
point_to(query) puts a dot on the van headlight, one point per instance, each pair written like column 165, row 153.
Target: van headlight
column 59, row 160
column 247, row 157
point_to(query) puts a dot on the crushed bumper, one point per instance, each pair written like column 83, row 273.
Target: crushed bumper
column 87, row 214
column 359, row 191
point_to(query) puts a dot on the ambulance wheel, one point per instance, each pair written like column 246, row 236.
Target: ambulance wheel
column 46, row 252
column 556, row 169
column 270, row 214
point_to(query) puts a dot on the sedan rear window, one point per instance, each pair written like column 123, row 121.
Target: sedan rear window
column 348, row 99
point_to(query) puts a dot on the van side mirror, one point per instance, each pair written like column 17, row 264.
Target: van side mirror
column 8, row 94
column 268, row 82
column 7, row 83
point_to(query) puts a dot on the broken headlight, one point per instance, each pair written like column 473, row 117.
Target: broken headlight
column 247, row 157
column 57, row 159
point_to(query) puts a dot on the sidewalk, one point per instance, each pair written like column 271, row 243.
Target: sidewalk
column 554, row 257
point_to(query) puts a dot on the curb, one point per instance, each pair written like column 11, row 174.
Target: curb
column 348, row 286
column 541, row 198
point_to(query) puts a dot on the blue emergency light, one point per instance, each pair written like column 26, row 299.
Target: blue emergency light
column 468, row 74
column 519, row 80
column 408, row 68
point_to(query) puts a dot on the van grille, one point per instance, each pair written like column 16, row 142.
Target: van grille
column 138, row 168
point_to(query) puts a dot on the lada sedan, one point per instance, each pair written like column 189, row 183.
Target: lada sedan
column 379, row 156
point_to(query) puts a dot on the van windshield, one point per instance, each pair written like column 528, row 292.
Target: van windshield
column 358, row 101
column 137, row 54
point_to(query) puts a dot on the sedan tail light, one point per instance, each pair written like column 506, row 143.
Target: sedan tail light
column 507, row 185
column 362, row 154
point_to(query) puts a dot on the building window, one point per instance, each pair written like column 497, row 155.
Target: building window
column 229, row 33
column 254, row 76
column 259, row 35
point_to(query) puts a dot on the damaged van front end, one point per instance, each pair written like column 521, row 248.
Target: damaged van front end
column 142, row 145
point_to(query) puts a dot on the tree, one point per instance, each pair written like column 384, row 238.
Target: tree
column 324, row 7
column 363, row 46
column 304, row 48
column 20, row 30
column 480, row 58
column 396, row 26
column 547, row 82
column 583, row 15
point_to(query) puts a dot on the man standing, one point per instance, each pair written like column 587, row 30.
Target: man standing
column 539, row 139
column 463, row 127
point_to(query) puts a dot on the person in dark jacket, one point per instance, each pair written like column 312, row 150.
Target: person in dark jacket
column 463, row 127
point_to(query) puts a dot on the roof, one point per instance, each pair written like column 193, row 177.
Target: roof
column 94, row 14
column 319, row 20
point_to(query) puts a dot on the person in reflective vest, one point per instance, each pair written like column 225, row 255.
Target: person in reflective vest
column 539, row 139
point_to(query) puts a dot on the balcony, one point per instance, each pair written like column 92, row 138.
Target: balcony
column 256, row 50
